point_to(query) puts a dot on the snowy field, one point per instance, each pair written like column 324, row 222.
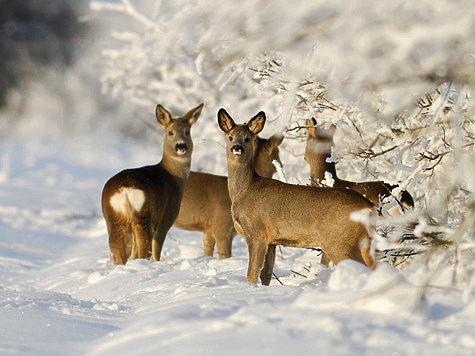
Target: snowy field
column 60, row 293
column 397, row 79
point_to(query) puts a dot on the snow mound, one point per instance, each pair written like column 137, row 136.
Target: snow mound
column 384, row 291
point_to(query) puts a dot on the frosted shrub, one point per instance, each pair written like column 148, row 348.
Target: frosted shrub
column 396, row 79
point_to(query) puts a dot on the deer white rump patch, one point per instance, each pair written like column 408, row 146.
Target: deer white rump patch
column 125, row 196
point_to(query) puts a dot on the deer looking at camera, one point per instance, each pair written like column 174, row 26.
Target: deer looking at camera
column 206, row 205
column 141, row 204
column 268, row 212
column 318, row 151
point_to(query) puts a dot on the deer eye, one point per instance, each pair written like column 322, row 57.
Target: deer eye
column 247, row 139
column 230, row 138
column 170, row 133
column 187, row 133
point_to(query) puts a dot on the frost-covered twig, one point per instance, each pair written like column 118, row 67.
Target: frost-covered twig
column 125, row 7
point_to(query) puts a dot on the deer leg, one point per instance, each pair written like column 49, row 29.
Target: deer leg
column 257, row 253
column 133, row 253
column 117, row 248
column 224, row 243
column 365, row 251
column 117, row 237
column 157, row 243
column 208, row 243
column 325, row 260
column 130, row 247
column 267, row 271
column 141, row 246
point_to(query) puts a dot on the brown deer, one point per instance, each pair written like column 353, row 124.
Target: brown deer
column 141, row 204
column 206, row 205
column 268, row 212
column 317, row 153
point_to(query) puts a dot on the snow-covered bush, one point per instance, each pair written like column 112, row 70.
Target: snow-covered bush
column 397, row 79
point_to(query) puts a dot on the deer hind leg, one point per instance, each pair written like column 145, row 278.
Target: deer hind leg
column 118, row 235
column 133, row 248
column 365, row 251
column 208, row 243
column 224, row 241
column 268, row 269
column 257, row 253
column 361, row 251
column 142, row 237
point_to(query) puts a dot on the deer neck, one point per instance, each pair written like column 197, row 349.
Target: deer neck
column 178, row 167
column 240, row 177
column 330, row 167
column 321, row 166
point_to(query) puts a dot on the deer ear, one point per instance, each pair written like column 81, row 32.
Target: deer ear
column 276, row 140
column 163, row 116
column 312, row 130
column 256, row 124
column 193, row 115
column 225, row 122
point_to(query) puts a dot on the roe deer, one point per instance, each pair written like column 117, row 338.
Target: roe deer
column 206, row 205
column 318, row 150
column 268, row 212
column 141, row 204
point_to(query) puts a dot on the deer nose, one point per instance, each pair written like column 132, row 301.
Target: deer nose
column 181, row 148
column 237, row 150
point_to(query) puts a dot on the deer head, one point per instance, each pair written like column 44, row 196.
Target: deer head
column 266, row 152
column 178, row 144
column 240, row 140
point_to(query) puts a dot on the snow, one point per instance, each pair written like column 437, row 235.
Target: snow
column 60, row 292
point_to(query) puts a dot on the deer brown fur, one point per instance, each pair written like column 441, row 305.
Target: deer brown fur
column 317, row 153
column 141, row 204
column 268, row 212
column 206, row 205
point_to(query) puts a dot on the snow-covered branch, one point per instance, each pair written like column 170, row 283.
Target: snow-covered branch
column 397, row 79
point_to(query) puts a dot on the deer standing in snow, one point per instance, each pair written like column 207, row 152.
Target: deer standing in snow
column 141, row 204
column 206, row 205
column 268, row 212
column 318, row 151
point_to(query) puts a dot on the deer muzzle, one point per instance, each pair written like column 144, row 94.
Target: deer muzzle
column 237, row 150
column 181, row 148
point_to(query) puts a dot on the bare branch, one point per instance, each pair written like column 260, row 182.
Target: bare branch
column 370, row 154
column 278, row 280
column 299, row 274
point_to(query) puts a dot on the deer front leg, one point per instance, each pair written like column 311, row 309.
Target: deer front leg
column 257, row 252
column 268, row 269
column 158, row 241
column 157, row 244
column 325, row 260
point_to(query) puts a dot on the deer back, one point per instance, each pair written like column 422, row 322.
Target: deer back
column 299, row 216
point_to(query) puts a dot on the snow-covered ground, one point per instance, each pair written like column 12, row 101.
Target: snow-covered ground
column 60, row 293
